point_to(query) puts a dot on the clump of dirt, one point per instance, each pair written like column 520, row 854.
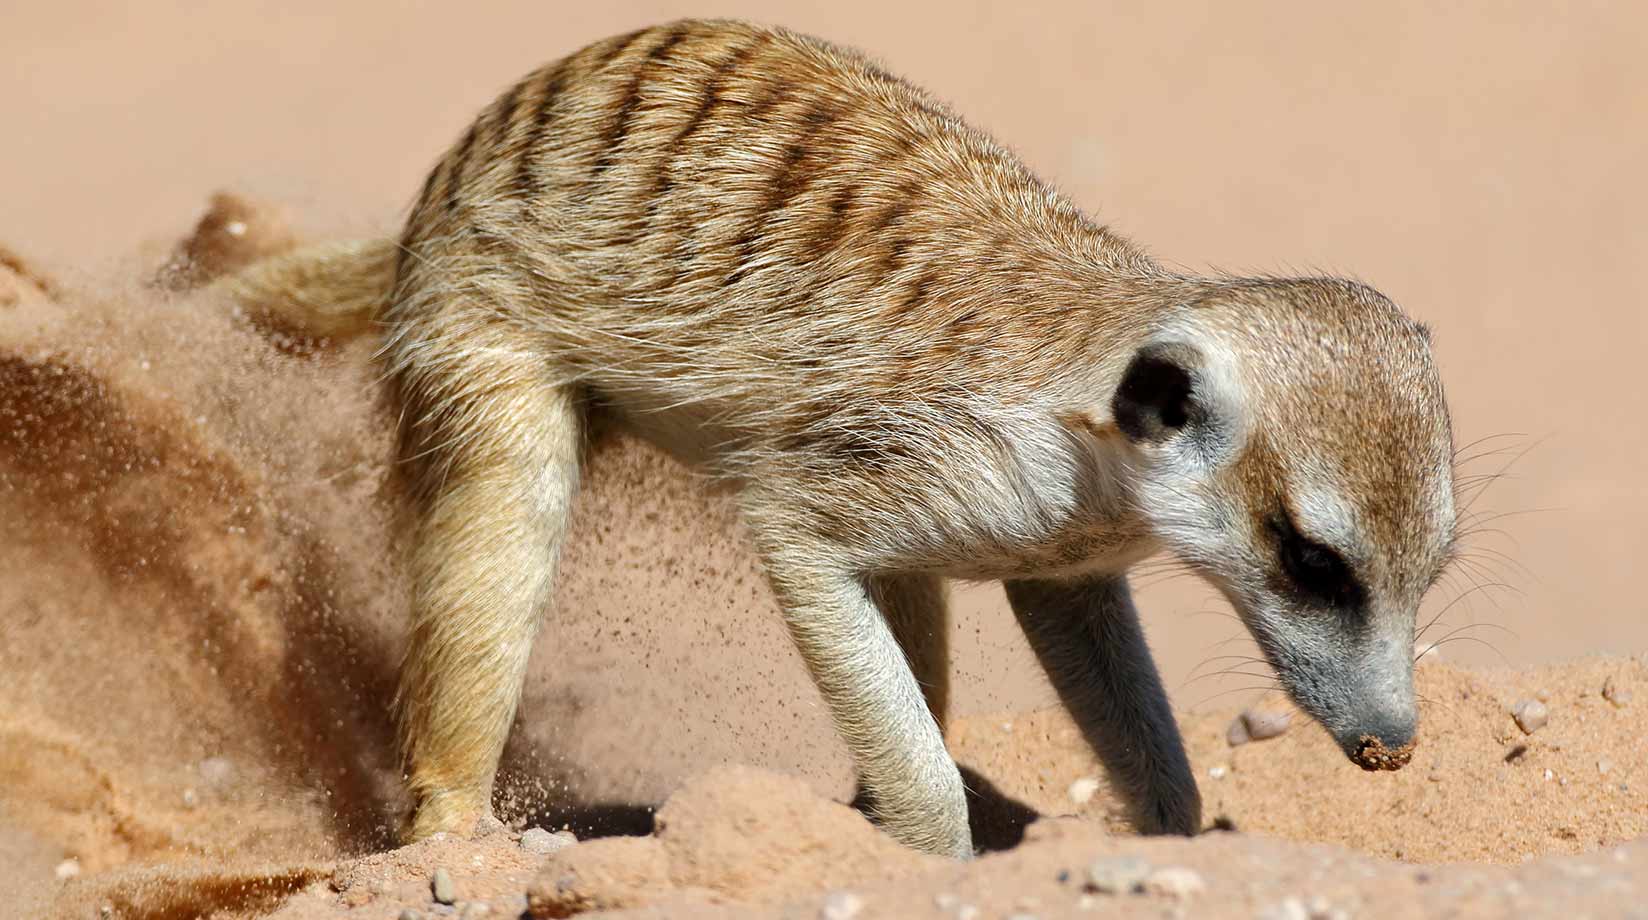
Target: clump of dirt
column 1373, row 756
column 232, row 234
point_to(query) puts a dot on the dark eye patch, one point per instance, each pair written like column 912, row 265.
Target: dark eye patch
column 1315, row 570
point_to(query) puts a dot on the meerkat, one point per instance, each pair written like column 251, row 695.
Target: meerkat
column 913, row 361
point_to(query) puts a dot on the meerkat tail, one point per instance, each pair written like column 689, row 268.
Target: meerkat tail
column 329, row 290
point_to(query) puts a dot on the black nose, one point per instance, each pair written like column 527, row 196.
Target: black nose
column 1380, row 745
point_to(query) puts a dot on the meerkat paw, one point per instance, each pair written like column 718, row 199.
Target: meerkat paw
column 1171, row 812
column 451, row 813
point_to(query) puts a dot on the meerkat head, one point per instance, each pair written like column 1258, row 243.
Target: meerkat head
column 1293, row 446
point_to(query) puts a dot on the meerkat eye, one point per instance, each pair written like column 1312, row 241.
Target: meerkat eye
column 1316, row 570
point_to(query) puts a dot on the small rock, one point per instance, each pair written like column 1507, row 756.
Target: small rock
column 410, row 914
column 190, row 798
column 1614, row 693
column 967, row 912
column 1117, row 875
column 1082, row 790
column 1287, row 909
column 1217, row 771
column 1176, row 882
column 67, row 869
column 441, row 887
column 216, row 771
column 1320, row 909
column 944, row 900
column 474, row 910
column 540, row 842
column 1531, row 716
column 1543, row 695
column 1263, row 723
column 1022, row 916
column 1604, row 766
column 840, row 905
column 1236, row 735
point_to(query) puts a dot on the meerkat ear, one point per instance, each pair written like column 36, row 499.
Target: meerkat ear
column 1157, row 397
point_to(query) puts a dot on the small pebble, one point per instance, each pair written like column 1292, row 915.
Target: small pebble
column 190, row 798
column 1262, row 723
column 1082, row 790
column 840, row 905
column 410, row 914
column 540, row 842
column 216, row 771
column 1287, row 909
column 440, row 885
column 1604, row 766
column 1543, row 695
column 1614, row 693
column 1022, row 916
column 944, row 900
column 1117, row 874
column 1531, row 716
column 67, row 869
column 1217, row 771
column 1175, row 882
column 1319, row 908
column 1236, row 735
column 967, row 912
column 474, row 910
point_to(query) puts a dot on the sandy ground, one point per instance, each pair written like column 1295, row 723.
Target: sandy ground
column 198, row 589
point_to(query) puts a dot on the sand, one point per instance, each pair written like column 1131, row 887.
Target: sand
column 200, row 595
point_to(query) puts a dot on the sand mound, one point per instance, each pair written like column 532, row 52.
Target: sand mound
column 202, row 609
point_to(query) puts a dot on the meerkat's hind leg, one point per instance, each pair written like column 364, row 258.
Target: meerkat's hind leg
column 495, row 445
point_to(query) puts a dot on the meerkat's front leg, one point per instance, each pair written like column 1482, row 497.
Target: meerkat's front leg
column 1086, row 634
column 915, row 608
column 914, row 788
